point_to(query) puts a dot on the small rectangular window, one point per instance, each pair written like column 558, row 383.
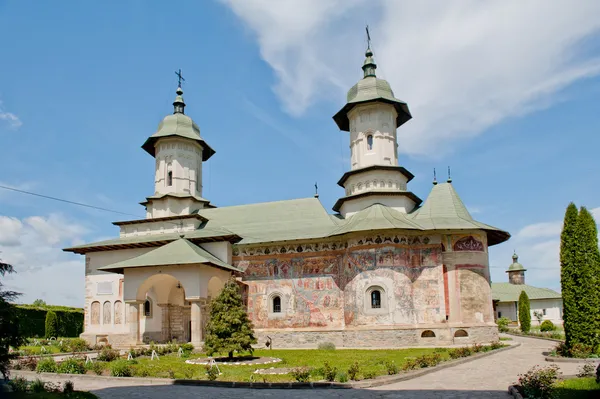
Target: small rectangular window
column 499, row 314
column 544, row 312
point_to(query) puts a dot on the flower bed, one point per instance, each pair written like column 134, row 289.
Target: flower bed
column 305, row 365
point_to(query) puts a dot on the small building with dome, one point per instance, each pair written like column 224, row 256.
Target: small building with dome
column 544, row 302
column 384, row 269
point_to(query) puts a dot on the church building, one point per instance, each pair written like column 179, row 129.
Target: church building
column 385, row 269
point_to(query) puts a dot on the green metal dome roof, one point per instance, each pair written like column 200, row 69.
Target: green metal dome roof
column 181, row 125
column 371, row 89
column 515, row 266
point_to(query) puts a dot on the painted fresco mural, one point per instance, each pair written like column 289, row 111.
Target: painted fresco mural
column 475, row 293
column 326, row 288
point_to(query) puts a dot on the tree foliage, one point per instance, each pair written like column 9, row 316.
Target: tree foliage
column 9, row 325
column 229, row 329
column 51, row 324
column 580, row 278
column 568, row 273
column 587, row 258
column 39, row 302
column 524, row 312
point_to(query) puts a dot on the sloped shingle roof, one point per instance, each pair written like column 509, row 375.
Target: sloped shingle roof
column 507, row 292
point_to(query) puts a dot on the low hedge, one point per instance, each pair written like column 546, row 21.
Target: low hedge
column 32, row 320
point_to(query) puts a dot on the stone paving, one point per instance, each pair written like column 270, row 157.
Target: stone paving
column 487, row 377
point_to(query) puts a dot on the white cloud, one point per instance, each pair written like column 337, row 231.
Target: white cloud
column 538, row 247
column 462, row 66
column 9, row 118
column 537, row 230
column 33, row 245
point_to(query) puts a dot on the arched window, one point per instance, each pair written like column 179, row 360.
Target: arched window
column 148, row 308
column 277, row 304
column 370, row 142
column 170, row 178
column 460, row 333
column 375, row 299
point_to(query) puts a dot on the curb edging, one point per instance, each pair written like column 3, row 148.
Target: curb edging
column 535, row 337
column 514, row 392
column 560, row 359
column 379, row 381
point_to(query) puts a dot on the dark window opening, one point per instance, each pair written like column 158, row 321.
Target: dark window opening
column 369, row 142
column 277, row 305
column 169, row 178
column 147, row 308
column 376, row 299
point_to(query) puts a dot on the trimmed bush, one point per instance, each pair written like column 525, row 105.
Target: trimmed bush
column 326, row 346
column 353, row 371
column 108, row 355
column 503, row 323
column 78, row 345
column 391, row 368
column 51, row 325
column 524, row 312
column 301, row 374
column 547, row 325
column 32, row 320
column 71, row 366
column 121, row 368
column 96, row 367
column 212, row 373
column 47, row 365
column 538, row 382
column 329, row 372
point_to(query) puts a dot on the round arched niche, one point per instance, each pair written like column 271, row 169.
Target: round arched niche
column 461, row 334
column 427, row 334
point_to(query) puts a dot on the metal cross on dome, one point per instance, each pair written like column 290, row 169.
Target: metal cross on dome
column 368, row 38
column 179, row 78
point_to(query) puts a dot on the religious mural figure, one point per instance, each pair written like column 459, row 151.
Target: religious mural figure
column 95, row 313
column 106, row 313
column 118, row 312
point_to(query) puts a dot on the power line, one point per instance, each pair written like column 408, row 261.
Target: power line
column 68, row 201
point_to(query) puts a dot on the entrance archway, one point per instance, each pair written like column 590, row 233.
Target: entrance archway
column 165, row 312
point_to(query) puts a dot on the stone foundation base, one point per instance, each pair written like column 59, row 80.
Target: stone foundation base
column 379, row 338
column 116, row 340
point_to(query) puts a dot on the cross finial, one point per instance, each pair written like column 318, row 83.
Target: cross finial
column 368, row 37
column 434, row 177
column 316, row 190
column 179, row 78
column 449, row 176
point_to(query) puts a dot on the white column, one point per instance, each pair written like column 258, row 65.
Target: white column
column 133, row 319
column 196, row 318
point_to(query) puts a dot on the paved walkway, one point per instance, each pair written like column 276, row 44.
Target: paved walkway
column 487, row 377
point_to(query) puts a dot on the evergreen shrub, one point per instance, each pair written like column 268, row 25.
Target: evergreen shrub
column 524, row 312
column 503, row 323
column 51, row 325
column 547, row 325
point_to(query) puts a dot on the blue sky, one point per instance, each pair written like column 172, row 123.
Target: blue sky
column 506, row 94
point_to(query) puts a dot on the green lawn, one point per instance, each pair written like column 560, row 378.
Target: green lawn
column 37, row 350
column 578, row 388
column 370, row 362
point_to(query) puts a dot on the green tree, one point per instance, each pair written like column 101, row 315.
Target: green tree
column 229, row 329
column 51, row 324
column 10, row 336
column 568, row 274
column 524, row 312
column 587, row 258
column 39, row 302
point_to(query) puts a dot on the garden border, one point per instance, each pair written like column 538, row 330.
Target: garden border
column 378, row 381
column 561, row 359
column 534, row 336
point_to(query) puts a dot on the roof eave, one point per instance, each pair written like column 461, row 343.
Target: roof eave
column 341, row 117
column 207, row 151
column 409, row 194
column 409, row 176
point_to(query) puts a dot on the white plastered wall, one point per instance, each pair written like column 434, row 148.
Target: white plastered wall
column 400, row 203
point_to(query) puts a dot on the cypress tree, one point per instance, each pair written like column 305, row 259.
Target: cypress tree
column 229, row 329
column 524, row 312
column 568, row 274
column 588, row 267
column 51, row 324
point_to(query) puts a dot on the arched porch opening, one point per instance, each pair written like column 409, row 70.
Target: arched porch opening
column 165, row 314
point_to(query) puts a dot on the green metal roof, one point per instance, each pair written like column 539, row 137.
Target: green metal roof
column 203, row 234
column 507, row 292
column 176, row 195
column 273, row 221
column 178, row 252
column 444, row 210
column 180, row 125
column 515, row 266
column 371, row 89
column 376, row 217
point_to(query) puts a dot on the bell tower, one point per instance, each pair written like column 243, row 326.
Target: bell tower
column 179, row 151
column 371, row 116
